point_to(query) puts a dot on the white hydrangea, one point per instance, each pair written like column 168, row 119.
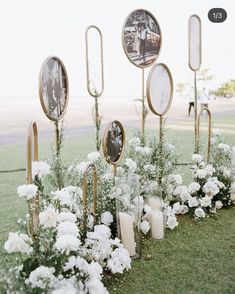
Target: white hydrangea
column 18, row 243
column 224, row 148
column 42, row 277
column 40, row 169
column 193, row 202
column 119, row 261
column 145, row 151
column 176, row 179
column 67, row 243
column 194, row 187
column 145, row 226
column 67, row 217
column 67, row 228
column 93, row 156
column 27, row 191
column 106, row 218
column 200, row 174
column 199, row 213
column 95, row 286
column 205, row 201
column 197, row 158
column 209, row 170
column 182, row 192
column 131, row 165
column 100, row 232
column 48, row 218
column 171, row 222
column 135, row 141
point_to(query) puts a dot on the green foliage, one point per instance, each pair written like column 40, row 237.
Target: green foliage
column 226, row 90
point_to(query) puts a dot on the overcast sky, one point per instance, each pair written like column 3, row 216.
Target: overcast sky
column 31, row 30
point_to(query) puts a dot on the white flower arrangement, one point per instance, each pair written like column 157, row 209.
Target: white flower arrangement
column 27, row 191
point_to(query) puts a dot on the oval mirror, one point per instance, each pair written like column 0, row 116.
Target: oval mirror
column 159, row 89
column 53, row 88
column 141, row 38
column 194, row 42
column 114, row 142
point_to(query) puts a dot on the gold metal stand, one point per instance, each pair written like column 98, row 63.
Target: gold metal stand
column 209, row 130
column 32, row 155
column 195, row 113
column 143, row 109
column 93, row 92
column 89, row 167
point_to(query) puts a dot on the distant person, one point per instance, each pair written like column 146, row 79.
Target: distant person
column 190, row 101
column 143, row 37
column 204, row 98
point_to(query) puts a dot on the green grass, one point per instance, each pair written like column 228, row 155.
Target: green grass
column 197, row 257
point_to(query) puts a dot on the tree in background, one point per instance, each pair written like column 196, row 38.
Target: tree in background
column 181, row 88
column 204, row 76
column 225, row 90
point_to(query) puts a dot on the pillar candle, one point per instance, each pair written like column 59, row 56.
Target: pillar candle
column 127, row 232
column 233, row 157
column 155, row 203
column 157, row 224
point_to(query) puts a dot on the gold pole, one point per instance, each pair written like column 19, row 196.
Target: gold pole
column 195, row 112
column 85, row 192
column 33, row 204
column 209, row 130
column 143, row 109
column 160, row 146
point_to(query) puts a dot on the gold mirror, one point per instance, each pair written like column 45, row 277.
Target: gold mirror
column 194, row 29
column 53, row 88
column 141, row 38
column 159, row 89
column 114, row 142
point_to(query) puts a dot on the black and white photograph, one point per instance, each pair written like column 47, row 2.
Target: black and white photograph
column 114, row 142
column 141, row 38
column 54, row 87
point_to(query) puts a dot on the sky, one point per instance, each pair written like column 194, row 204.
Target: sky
column 32, row 30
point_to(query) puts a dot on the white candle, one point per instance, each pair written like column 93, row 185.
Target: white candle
column 157, row 224
column 233, row 157
column 155, row 203
column 127, row 232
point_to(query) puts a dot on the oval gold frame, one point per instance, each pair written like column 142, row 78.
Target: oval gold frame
column 123, row 41
column 189, row 37
column 87, row 62
column 104, row 143
column 84, row 192
column 209, row 131
column 32, row 155
column 45, row 110
column 148, row 89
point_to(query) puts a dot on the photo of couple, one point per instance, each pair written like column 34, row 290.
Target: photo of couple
column 141, row 38
column 54, row 88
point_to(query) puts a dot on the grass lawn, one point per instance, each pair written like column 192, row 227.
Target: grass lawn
column 197, row 257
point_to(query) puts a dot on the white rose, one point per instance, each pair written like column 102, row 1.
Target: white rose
column 106, row 218
column 176, row 208
column 205, row 201
column 194, row 187
column 218, row 204
column 40, row 169
column 18, row 243
column 193, row 202
column 67, row 216
column 144, row 226
column 184, row 209
column 199, row 213
column 171, row 222
column 67, row 228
